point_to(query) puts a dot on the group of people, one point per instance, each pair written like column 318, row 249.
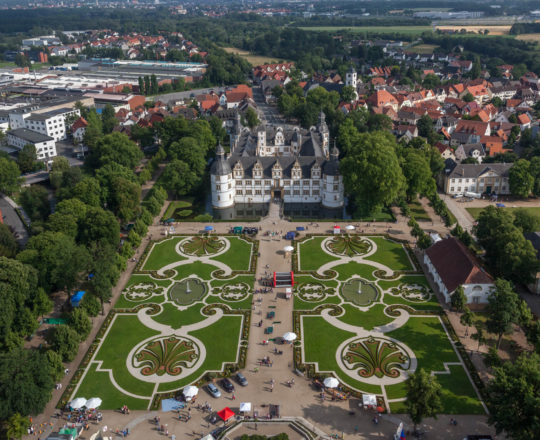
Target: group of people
column 125, row 409
column 266, row 361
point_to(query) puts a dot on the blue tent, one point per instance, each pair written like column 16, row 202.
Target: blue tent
column 77, row 297
column 208, row 228
column 300, row 228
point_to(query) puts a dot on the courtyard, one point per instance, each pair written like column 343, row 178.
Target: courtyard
column 366, row 315
column 182, row 317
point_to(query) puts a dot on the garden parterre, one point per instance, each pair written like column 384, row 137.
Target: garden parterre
column 371, row 339
column 184, row 314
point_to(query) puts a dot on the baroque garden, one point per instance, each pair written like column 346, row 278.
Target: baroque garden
column 363, row 312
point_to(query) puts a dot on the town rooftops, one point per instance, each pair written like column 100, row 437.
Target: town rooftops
column 456, row 265
column 49, row 114
column 474, row 170
column 29, row 135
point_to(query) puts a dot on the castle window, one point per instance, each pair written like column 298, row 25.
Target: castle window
column 267, row 182
column 306, row 192
column 316, row 183
column 257, row 183
column 287, row 182
column 287, row 192
column 248, row 192
column 218, row 187
column 315, row 192
column 296, row 183
column 258, row 192
column 336, row 187
column 248, row 182
column 238, row 192
column 306, row 182
column 296, row 192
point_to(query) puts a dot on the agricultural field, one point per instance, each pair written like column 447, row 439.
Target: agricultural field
column 181, row 316
column 423, row 49
column 407, row 30
column 368, row 317
column 493, row 29
column 255, row 60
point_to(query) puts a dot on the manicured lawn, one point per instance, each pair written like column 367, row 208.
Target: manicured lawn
column 299, row 279
column 321, row 341
column 221, row 342
column 98, row 384
column 391, row 254
column 238, row 256
column 174, row 206
column 300, row 304
column 202, row 270
column 162, row 254
column 431, row 304
column 374, row 317
column 124, row 303
column 347, row 270
column 170, row 315
column 126, row 332
column 404, row 279
column 534, row 210
column 311, row 254
column 247, row 279
column 244, row 304
column 418, row 212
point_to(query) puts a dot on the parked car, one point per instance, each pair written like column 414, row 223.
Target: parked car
column 241, row 379
column 213, row 390
column 227, row 385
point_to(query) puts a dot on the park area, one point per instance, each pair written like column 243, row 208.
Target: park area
column 183, row 314
column 366, row 315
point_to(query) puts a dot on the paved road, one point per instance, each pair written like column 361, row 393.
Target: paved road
column 267, row 113
column 458, row 209
column 11, row 218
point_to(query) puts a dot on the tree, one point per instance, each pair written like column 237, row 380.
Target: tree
column 417, row 173
column 534, row 169
column 458, row 300
column 348, row 94
column 10, row 176
column 55, row 362
column 154, row 88
column 147, row 87
column 466, row 319
column 25, row 382
column 503, row 309
column 108, row 119
column 17, row 426
column 35, row 202
column 8, row 244
column 251, row 118
column 114, row 148
column 423, row 396
column 424, row 125
column 479, row 335
column 94, row 129
column 468, row 97
column 371, row 171
column 520, row 179
column 90, row 304
column 188, row 150
column 64, row 340
column 513, row 396
column 27, row 158
column 178, row 178
column 141, row 85
column 80, row 322
column 59, row 166
column 527, row 221
column 98, row 225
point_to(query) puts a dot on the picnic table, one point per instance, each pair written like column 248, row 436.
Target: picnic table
column 269, row 330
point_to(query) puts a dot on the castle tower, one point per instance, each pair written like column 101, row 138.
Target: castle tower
column 324, row 132
column 222, row 182
column 351, row 78
column 332, row 190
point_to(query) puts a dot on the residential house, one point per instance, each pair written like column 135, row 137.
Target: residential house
column 78, row 129
column 478, row 178
column 464, row 151
column 451, row 265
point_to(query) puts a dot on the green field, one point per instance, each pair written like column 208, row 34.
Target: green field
column 475, row 212
column 407, row 30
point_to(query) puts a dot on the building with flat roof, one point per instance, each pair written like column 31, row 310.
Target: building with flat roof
column 45, row 145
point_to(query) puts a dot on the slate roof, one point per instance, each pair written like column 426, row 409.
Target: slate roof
column 456, row 265
column 29, row 135
column 475, row 170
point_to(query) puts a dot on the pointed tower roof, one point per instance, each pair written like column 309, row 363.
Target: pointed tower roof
column 220, row 166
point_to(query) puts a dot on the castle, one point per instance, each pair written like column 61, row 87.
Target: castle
column 277, row 163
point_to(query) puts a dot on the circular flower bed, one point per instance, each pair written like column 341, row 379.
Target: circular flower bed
column 204, row 245
column 348, row 245
column 167, row 355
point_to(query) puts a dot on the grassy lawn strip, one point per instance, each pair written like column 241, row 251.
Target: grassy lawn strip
column 245, row 304
column 312, row 256
column 391, row 254
column 372, row 318
column 418, row 212
column 170, row 315
column 162, row 254
column 321, row 341
column 475, row 212
column 197, row 268
column 299, row 279
column 238, row 255
column 300, row 304
column 247, row 279
column 221, row 342
column 174, row 206
column 99, row 384
column 347, row 270
column 126, row 332
column 404, row 279
column 124, row 303
column 432, row 304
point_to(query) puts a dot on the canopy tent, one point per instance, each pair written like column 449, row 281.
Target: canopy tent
column 208, row 228
column 300, row 228
column 369, row 400
column 225, row 414
column 171, row 405
column 190, row 391
column 331, row 382
column 288, row 293
column 337, row 230
column 77, row 403
column 169, row 220
column 245, row 407
column 69, row 431
column 237, row 230
column 289, row 336
column 208, row 437
column 288, row 248
column 93, row 403
column 77, row 297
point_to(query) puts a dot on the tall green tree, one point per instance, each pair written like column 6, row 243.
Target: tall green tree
column 417, row 172
column 466, row 319
column 8, row 244
column 35, row 201
column 513, row 398
column 27, row 158
column 10, row 176
column 503, row 309
column 94, row 129
column 424, row 125
column 423, row 396
column 520, row 179
column 114, row 148
column 108, row 119
column 251, row 118
column 154, row 85
column 458, row 300
column 178, row 178
column 17, row 426
column 371, row 172
column 64, row 340
column 80, row 322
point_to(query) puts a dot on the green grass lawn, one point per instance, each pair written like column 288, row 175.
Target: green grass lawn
column 238, row 256
column 321, row 341
column 221, row 342
column 124, row 303
column 174, row 206
column 418, row 212
column 391, row 254
column 300, row 304
column 126, row 332
column 98, row 384
column 533, row 210
column 162, row 254
column 170, row 315
column 408, row 30
column 374, row 317
column 347, row 270
column 311, row 254
column 202, row 270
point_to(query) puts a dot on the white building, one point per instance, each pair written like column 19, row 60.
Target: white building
column 51, row 123
column 478, row 178
column 452, row 265
column 45, row 145
column 289, row 164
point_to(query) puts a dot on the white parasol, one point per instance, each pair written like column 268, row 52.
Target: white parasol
column 289, row 336
column 93, row 403
column 245, row 406
column 288, row 248
column 77, row 403
column 190, row 391
column 350, row 228
column 331, row 382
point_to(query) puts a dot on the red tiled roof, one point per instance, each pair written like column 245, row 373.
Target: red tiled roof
column 456, row 265
column 79, row 123
column 524, row 119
